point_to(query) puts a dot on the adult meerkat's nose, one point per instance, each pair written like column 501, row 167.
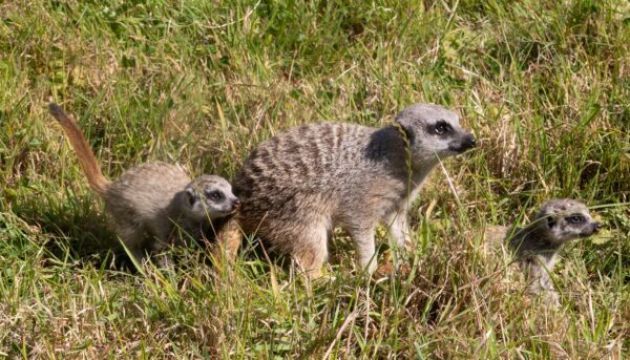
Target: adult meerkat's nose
column 467, row 142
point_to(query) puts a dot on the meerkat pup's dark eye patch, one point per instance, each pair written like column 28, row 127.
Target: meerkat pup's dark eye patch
column 576, row 219
column 214, row 195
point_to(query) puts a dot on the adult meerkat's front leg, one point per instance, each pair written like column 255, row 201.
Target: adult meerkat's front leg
column 399, row 230
column 366, row 248
column 400, row 240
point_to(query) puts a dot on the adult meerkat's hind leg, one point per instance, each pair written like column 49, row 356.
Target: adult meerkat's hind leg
column 312, row 251
column 310, row 246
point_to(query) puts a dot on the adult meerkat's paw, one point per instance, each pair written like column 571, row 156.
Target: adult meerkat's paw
column 389, row 267
column 385, row 269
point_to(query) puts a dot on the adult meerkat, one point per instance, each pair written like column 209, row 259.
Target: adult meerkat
column 299, row 185
column 535, row 247
column 148, row 203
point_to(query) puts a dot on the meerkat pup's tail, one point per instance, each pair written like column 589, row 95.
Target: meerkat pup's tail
column 88, row 161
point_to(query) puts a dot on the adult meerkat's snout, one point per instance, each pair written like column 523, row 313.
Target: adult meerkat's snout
column 433, row 131
column 466, row 142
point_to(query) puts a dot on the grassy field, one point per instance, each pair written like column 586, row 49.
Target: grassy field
column 544, row 85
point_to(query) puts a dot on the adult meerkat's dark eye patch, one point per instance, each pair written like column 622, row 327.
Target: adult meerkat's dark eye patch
column 441, row 128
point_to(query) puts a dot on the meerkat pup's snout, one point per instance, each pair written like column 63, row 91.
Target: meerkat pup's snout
column 298, row 186
column 536, row 246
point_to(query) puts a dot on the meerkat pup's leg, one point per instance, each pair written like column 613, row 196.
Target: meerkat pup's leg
column 539, row 281
column 133, row 239
column 158, row 248
column 311, row 255
column 363, row 237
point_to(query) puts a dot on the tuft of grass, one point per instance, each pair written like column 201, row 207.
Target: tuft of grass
column 544, row 85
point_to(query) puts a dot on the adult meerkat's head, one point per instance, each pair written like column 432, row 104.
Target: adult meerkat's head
column 566, row 219
column 434, row 131
column 211, row 196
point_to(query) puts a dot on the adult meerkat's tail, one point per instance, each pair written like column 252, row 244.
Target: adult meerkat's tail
column 88, row 161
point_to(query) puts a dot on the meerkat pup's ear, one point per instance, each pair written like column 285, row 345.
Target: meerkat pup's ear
column 190, row 193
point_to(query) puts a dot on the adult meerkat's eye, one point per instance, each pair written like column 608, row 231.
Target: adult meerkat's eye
column 576, row 219
column 442, row 127
column 215, row 195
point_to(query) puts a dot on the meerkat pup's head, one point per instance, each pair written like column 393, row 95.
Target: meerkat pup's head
column 566, row 219
column 432, row 131
column 211, row 196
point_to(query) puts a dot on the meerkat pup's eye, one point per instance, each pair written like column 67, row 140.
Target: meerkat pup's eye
column 215, row 195
column 576, row 219
column 442, row 127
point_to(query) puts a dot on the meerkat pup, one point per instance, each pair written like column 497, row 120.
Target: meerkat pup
column 536, row 246
column 151, row 201
column 298, row 186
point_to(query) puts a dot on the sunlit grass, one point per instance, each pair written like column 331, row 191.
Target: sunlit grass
column 544, row 85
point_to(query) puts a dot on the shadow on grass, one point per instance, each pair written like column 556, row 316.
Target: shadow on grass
column 74, row 231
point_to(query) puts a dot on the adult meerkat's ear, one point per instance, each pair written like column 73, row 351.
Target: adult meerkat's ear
column 405, row 124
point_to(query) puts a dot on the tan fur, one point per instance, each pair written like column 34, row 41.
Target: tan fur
column 88, row 161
